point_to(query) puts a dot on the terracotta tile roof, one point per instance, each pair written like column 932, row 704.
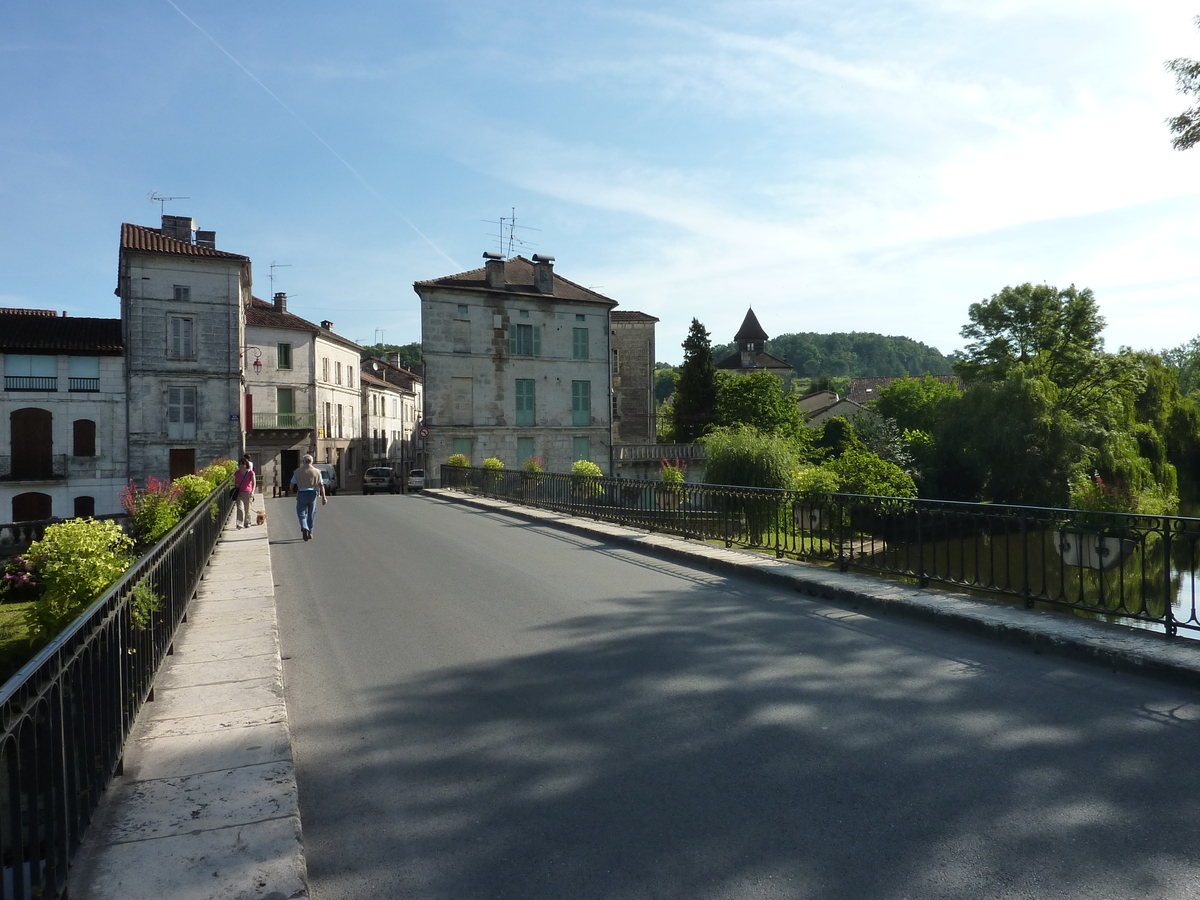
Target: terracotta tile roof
column 263, row 313
column 518, row 279
column 631, row 315
column 139, row 237
column 864, row 390
column 35, row 331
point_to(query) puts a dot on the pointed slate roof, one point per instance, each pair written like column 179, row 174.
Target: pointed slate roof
column 750, row 332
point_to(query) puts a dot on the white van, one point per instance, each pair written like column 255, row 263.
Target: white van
column 328, row 477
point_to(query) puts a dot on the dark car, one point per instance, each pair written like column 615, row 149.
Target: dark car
column 380, row 478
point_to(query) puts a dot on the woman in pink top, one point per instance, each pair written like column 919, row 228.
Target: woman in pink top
column 243, row 480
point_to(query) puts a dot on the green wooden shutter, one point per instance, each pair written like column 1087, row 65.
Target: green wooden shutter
column 537, row 340
column 512, row 339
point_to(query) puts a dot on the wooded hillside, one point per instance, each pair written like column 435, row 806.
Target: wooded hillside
column 855, row 354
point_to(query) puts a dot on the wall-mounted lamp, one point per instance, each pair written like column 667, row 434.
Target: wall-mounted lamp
column 257, row 366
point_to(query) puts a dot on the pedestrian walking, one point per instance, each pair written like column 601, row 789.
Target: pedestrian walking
column 243, row 499
column 309, row 486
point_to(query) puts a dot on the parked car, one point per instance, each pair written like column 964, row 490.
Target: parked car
column 329, row 477
column 416, row 479
column 380, row 478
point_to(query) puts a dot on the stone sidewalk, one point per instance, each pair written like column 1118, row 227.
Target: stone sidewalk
column 207, row 806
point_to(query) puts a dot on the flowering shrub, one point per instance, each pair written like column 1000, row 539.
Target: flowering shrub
column 533, row 465
column 75, row 562
column 19, row 583
column 153, row 510
column 192, row 491
column 458, row 459
column 673, row 473
column 493, row 463
column 1094, row 494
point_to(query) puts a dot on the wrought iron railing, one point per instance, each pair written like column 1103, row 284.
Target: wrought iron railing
column 272, row 421
column 657, row 452
column 46, row 467
column 1112, row 566
column 31, row 383
column 66, row 714
column 83, row 384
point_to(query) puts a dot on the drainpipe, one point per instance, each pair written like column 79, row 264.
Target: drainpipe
column 608, row 368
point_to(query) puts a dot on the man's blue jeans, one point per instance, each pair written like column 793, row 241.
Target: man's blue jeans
column 306, row 509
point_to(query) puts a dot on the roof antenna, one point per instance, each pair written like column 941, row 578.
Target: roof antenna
column 274, row 266
column 507, row 238
column 156, row 197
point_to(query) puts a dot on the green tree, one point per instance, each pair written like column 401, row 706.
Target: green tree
column 916, row 404
column 758, row 399
column 665, row 378
column 862, row 472
column 1185, row 361
column 410, row 354
column 696, row 389
column 1050, row 331
column 1186, row 125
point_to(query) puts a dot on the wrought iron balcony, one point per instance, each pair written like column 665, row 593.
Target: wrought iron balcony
column 83, row 384
column 283, row 421
column 30, row 383
column 33, row 467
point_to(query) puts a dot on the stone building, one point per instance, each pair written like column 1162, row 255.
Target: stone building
column 633, row 377
column 281, row 394
column 62, row 416
column 516, row 365
column 392, row 406
column 339, row 395
column 183, row 308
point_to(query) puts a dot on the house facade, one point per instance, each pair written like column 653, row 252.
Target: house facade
column 338, row 393
column 281, row 396
column 183, row 306
column 392, row 406
column 516, row 365
column 62, row 416
column 632, row 361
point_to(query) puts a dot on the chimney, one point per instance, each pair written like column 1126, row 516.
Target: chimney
column 393, row 358
column 327, row 325
column 543, row 273
column 280, row 300
column 178, row 227
column 494, row 270
column 206, row 239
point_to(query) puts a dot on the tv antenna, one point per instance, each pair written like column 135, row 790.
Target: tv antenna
column 156, row 197
column 274, row 266
column 506, row 238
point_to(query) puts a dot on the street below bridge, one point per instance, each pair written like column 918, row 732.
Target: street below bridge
column 485, row 708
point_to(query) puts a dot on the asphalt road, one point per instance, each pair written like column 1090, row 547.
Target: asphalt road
column 481, row 708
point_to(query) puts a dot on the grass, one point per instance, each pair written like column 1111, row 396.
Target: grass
column 15, row 647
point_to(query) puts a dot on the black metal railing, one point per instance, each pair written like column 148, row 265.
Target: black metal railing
column 83, row 384
column 30, row 383
column 66, row 714
column 33, row 467
column 1111, row 566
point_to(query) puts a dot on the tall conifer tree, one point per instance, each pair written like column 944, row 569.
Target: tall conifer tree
column 696, row 392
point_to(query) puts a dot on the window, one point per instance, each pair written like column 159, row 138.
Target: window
column 23, row 372
column 283, row 356
column 183, row 293
column 325, row 369
column 580, row 317
column 579, row 343
column 85, row 507
column 582, row 448
column 337, row 373
column 285, row 408
column 525, row 449
column 462, row 309
column 83, row 438
column 525, row 340
column 350, row 375
column 339, row 417
column 327, row 431
column 180, row 341
column 581, row 403
column 616, row 365
column 524, row 314
column 525, row 414
column 463, row 446
column 181, row 413
column 83, row 373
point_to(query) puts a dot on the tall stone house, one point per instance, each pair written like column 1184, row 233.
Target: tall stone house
column 62, row 416
column 632, row 335
column 516, row 365
column 281, row 394
column 392, row 405
column 183, row 306
column 339, row 395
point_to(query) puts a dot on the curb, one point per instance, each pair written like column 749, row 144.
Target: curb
column 1121, row 648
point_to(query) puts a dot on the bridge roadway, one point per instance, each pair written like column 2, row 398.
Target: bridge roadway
column 484, row 708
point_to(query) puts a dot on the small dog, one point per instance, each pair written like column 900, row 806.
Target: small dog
column 262, row 517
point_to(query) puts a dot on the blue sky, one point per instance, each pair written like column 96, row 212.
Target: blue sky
column 840, row 166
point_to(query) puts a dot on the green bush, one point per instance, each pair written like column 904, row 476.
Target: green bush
column 816, row 480
column 192, row 491
column 743, row 456
column 863, row 472
column 143, row 604
column 75, row 562
column 458, row 459
column 586, row 477
column 493, row 463
column 218, row 471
